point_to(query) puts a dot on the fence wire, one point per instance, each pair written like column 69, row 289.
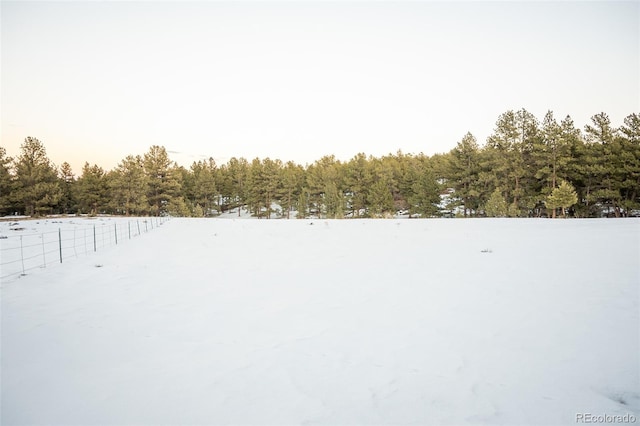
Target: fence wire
column 23, row 250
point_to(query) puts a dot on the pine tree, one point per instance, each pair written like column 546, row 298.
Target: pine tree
column 463, row 171
column 205, row 190
column 129, row 186
column 358, row 181
column 93, row 190
column 291, row 178
column 496, row 206
column 392, row 167
column 272, row 172
column 333, row 201
column 630, row 162
column 6, row 181
column 234, row 176
column 303, row 204
column 37, row 185
column 425, row 191
column 604, row 161
column 513, row 140
column 255, row 190
column 318, row 176
column 380, row 197
column 163, row 184
column 67, row 184
column 562, row 197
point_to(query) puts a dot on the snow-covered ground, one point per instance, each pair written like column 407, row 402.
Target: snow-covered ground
column 27, row 244
column 209, row 321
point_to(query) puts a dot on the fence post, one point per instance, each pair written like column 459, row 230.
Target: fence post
column 115, row 231
column 60, row 242
column 138, row 222
column 22, row 255
column 94, row 238
column 129, row 223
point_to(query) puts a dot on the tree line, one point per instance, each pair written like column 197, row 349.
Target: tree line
column 526, row 168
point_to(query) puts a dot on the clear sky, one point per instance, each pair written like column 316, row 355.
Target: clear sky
column 97, row 81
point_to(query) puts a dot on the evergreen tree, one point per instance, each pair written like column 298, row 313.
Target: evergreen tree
column 198, row 211
column 358, row 181
column 302, row 205
column 496, row 206
column 272, row 172
column 6, row 181
column 503, row 146
column 562, row 197
column 205, row 191
column 463, row 172
column 67, row 185
column 629, row 142
column 129, row 186
column 549, row 152
column 333, row 200
column 163, row 183
column 263, row 186
column 319, row 176
column 291, row 184
column 513, row 140
column 256, row 193
column 235, row 175
column 425, row 191
column 93, row 190
column 37, row 185
column 604, row 162
column 392, row 167
column 381, row 199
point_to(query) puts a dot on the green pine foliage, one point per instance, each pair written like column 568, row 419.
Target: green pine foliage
column 128, row 187
column 36, row 186
column 562, row 197
column 92, row 190
column 526, row 168
column 496, row 205
column 6, row 182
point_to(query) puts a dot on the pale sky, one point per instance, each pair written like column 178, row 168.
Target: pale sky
column 97, row 81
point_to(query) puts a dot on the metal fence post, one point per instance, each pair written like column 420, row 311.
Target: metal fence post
column 60, row 242
column 115, row 231
column 22, row 255
column 94, row 238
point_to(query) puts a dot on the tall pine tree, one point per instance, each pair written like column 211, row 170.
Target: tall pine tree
column 37, row 186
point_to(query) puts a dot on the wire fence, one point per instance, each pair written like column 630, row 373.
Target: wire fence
column 26, row 247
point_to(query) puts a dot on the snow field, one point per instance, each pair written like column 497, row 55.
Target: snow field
column 331, row 322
